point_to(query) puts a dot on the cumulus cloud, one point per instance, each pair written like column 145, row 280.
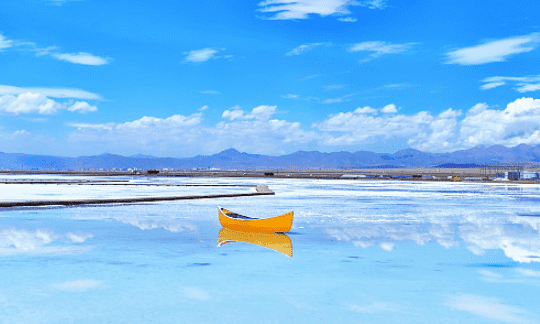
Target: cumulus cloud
column 303, row 48
column 5, row 43
column 487, row 307
column 82, row 106
column 258, row 130
column 448, row 131
column 202, row 55
column 262, row 113
column 362, row 126
column 494, row 51
column 522, row 84
column 517, row 124
column 37, row 103
column 81, row 58
column 27, row 103
column 253, row 131
column 379, row 48
column 389, row 109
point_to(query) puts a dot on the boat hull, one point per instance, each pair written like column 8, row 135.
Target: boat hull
column 278, row 224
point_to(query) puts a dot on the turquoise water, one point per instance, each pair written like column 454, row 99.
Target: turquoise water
column 363, row 252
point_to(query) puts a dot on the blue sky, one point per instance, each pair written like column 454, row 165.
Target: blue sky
column 178, row 79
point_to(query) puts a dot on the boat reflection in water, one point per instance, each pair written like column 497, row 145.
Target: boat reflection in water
column 277, row 242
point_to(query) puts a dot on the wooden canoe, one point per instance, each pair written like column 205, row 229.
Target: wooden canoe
column 277, row 242
column 278, row 224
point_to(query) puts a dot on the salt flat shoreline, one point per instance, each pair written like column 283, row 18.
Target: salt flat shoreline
column 260, row 190
column 414, row 174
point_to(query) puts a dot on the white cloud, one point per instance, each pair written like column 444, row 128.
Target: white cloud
column 487, row 307
column 262, row 113
column 258, row 131
column 492, row 85
column 202, row 55
column 255, row 131
column 379, row 49
column 374, row 4
column 79, row 237
column 448, row 131
column 81, row 58
column 51, row 92
column 494, row 51
column 301, row 9
column 27, row 103
column 389, row 109
column 523, row 84
column 82, row 106
column 347, row 19
column 52, row 51
column 365, row 110
column 303, row 48
column 5, row 43
column 363, row 126
column 517, row 124
column 233, row 115
column 528, row 87
column 37, row 103
column 78, row 285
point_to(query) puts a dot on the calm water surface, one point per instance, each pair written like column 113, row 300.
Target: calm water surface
column 363, row 252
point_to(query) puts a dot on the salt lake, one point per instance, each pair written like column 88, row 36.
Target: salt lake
column 362, row 252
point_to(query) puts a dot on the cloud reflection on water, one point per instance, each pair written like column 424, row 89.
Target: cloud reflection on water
column 40, row 241
column 195, row 293
column 487, row 307
column 78, row 285
column 143, row 218
column 518, row 237
column 374, row 307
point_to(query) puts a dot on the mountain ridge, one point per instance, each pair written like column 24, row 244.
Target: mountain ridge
column 232, row 159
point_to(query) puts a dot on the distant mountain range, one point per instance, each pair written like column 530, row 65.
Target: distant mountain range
column 232, row 159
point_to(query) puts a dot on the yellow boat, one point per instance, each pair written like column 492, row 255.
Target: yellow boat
column 278, row 224
column 277, row 242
